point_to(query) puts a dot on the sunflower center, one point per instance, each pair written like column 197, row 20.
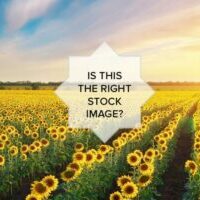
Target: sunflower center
column 144, row 167
column 129, row 189
column 74, row 166
column 23, row 148
column 116, row 197
column 150, row 154
column 40, row 188
column 79, row 157
column 89, row 157
column 44, row 142
column 103, row 149
column 99, row 156
column 144, row 179
column 69, row 174
column 33, row 198
column 133, row 158
column 49, row 182
column 78, row 146
column 192, row 166
column 124, row 181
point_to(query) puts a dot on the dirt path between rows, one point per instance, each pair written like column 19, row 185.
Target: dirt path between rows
column 175, row 177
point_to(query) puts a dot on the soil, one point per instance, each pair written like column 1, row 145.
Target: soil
column 175, row 176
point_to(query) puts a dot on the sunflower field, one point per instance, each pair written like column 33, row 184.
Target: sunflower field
column 42, row 158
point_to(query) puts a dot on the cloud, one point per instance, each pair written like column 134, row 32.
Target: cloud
column 143, row 27
column 88, row 26
column 19, row 12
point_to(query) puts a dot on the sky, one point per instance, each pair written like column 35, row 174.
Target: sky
column 37, row 37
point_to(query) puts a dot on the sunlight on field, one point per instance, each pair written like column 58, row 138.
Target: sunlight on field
column 37, row 144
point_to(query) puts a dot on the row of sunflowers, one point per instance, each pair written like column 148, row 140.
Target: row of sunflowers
column 104, row 163
column 145, row 168
column 192, row 166
column 37, row 146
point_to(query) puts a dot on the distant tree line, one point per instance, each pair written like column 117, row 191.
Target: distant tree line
column 28, row 85
column 169, row 83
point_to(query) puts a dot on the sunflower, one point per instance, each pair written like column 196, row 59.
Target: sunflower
column 8, row 143
column 52, row 130
column 48, row 131
column 146, row 169
column 197, row 140
column 157, row 152
column 2, row 145
column 90, row 158
column 150, row 153
column 10, row 129
column 69, row 175
column 123, row 180
column 23, row 156
column 191, row 167
column 93, row 151
column 3, row 137
column 75, row 166
column 156, row 138
column 27, row 132
column 44, row 142
column 144, row 128
column 55, row 136
column 34, row 135
column 197, row 146
column 144, row 180
column 62, row 129
column 15, row 135
column 162, row 141
column 79, row 157
column 171, row 133
column 124, row 135
column 62, row 137
column 116, row 144
column 2, row 160
column 116, row 196
column 70, row 130
column 104, row 149
column 100, row 157
column 122, row 141
column 32, row 148
column 13, row 150
column 145, row 118
column 130, row 136
column 160, row 156
column 133, row 159
column 33, row 197
column 38, row 144
column 40, row 189
column 148, row 159
column 139, row 153
column 78, row 147
column 51, row 182
column 24, row 148
column 129, row 190
column 163, row 148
